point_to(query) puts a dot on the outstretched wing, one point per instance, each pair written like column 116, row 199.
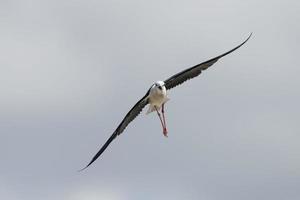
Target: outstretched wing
column 194, row 71
column 131, row 115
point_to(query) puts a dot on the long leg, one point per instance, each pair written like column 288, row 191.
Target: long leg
column 164, row 120
column 161, row 121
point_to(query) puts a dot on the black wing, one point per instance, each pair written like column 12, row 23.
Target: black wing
column 194, row 71
column 131, row 115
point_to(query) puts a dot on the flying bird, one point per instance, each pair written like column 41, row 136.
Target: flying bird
column 156, row 97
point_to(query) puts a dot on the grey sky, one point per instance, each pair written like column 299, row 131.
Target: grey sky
column 67, row 67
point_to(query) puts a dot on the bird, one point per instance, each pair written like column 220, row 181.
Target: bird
column 156, row 97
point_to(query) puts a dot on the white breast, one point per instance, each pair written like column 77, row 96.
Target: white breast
column 157, row 97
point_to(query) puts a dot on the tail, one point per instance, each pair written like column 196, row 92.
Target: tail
column 150, row 109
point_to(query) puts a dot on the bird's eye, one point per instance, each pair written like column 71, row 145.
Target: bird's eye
column 159, row 87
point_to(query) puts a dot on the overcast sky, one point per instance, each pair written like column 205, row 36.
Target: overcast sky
column 70, row 71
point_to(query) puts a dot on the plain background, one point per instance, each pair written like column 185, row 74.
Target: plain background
column 70, row 71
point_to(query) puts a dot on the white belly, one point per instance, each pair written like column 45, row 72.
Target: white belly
column 156, row 99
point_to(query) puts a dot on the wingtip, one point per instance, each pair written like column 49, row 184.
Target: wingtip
column 86, row 166
column 249, row 37
column 240, row 44
column 83, row 168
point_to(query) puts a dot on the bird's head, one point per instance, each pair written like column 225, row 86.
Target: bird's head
column 160, row 85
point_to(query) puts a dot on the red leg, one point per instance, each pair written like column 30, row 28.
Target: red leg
column 164, row 120
column 161, row 121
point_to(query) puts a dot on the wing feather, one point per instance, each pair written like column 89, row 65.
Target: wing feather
column 130, row 116
column 194, row 71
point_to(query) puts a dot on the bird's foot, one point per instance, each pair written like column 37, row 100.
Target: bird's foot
column 165, row 132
